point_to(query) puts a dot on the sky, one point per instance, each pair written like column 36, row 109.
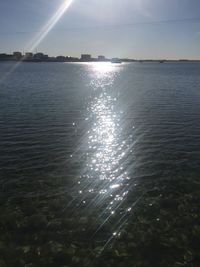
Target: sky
column 114, row 28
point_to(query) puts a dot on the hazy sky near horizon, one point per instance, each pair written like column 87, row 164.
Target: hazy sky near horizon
column 75, row 31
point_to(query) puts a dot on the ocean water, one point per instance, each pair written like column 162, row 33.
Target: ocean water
column 99, row 164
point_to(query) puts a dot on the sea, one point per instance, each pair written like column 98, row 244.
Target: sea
column 100, row 164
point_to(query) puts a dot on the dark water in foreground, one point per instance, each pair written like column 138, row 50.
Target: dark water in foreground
column 100, row 165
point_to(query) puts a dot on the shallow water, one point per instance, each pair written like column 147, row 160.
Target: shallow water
column 99, row 164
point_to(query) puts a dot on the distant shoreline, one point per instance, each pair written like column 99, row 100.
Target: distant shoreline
column 41, row 57
column 122, row 61
column 97, row 61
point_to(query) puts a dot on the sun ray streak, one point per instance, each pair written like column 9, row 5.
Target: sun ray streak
column 42, row 34
column 49, row 25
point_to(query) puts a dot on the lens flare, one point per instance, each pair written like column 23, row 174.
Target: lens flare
column 49, row 25
column 42, row 34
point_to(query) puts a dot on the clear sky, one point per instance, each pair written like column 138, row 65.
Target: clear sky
column 75, row 32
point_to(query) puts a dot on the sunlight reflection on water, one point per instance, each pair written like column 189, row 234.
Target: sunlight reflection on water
column 104, row 177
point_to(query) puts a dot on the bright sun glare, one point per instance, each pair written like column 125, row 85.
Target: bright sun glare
column 103, row 67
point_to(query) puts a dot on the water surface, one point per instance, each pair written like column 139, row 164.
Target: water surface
column 99, row 164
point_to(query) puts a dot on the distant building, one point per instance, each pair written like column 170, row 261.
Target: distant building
column 101, row 58
column 86, row 57
column 29, row 55
column 61, row 58
column 17, row 55
column 40, row 56
column 45, row 57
